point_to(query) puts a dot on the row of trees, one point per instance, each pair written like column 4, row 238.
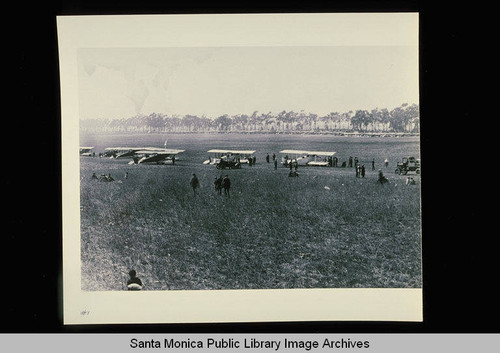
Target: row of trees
column 401, row 119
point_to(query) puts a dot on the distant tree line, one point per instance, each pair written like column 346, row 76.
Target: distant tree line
column 404, row 118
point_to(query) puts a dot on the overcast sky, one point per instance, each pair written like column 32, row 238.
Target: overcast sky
column 120, row 83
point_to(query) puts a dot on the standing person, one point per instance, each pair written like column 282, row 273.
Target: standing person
column 350, row 162
column 363, row 171
column 274, row 156
column 356, row 161
column 356, row 167
column 290, row 164
column 226, row 184
column 126, row 175
column 275, row 164
column 194, row 182
column 267, row 158
column 218, row 185
column 386, row 162
column 373, row 164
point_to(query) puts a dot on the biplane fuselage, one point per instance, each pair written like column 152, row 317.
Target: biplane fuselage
column 158, row 156
column 143, row 154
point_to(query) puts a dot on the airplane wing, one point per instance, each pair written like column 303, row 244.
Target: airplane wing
column 168, row 152
column 123, row 151
column 312, row 153
column 129, row 153
column 231, row 151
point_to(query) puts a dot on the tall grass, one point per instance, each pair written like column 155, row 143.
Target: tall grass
column 272, row 232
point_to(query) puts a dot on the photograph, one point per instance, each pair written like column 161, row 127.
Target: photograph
column 265, row 156
column 200, row 169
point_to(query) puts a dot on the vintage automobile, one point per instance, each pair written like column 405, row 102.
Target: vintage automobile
column 228, row 164
column 410, row 164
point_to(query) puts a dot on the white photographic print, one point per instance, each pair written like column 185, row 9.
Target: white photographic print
column 241, row 168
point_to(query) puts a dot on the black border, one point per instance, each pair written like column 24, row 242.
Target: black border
column 454, row 269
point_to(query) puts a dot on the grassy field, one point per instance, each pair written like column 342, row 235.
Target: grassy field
column 273, row 232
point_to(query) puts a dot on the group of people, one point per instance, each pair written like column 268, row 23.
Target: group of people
column 252, row 160
column 360, row 170
column 268, row 159
column 222, row 183
column 103, row 177
column 275, row 160
column 410, row 181
column 353, row 162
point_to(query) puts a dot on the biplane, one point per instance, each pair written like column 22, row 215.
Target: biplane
column 144, row 154
column 236, row 156
column 86, row 151
column 309, row 158
column 158, row 156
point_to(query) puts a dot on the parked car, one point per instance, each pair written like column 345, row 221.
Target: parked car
column 408, row 164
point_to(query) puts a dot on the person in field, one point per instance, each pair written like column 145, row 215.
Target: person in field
column 106, row 178
column 275, row 164
column 218, row 185
column 386, row 162
column 194, row 182
column 373, row 164
column 267, row 158
column 226, row 184
column 381, row 178
column 363, row 171
column 134, row 282
column 410, row 181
